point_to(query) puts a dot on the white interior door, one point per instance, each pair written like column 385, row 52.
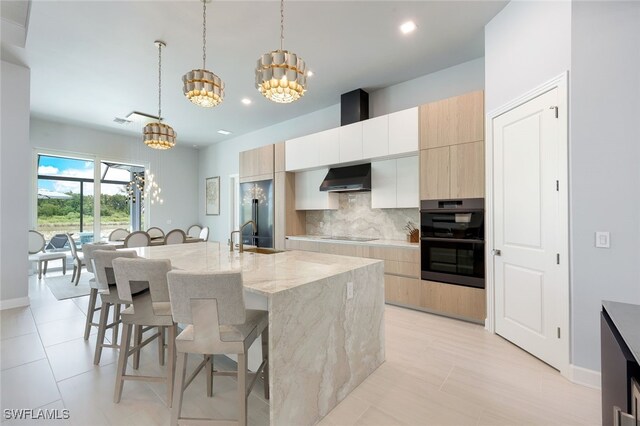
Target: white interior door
column 530, row 283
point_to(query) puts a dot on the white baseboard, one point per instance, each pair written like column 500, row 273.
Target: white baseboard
column 14, row 303
column 584, row 376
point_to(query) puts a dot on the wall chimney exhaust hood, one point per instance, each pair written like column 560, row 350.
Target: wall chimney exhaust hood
column 348, row 179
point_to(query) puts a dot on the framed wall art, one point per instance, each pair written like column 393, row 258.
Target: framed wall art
column 212, row 196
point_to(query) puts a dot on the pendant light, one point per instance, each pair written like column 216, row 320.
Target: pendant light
column 159, row 135
column 202, row 87
column 280, row 74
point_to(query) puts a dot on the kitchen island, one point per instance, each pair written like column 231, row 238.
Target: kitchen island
column 325, row 320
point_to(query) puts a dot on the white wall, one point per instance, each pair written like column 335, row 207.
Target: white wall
column 222, row 159
column 526, row 44
column 176, row 169
column 14, row 184
column 605, row 165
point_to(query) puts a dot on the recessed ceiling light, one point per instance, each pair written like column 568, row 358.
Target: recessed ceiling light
column 224, row 132
column 141, row 117
column 408, row 27
column 246, row 101
column 309, row 73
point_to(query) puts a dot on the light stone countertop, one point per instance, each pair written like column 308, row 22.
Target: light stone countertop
column 626, row 318
column 384, row 243
column 264, row 274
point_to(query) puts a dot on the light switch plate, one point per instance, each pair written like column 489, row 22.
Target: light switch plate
column 603, row 239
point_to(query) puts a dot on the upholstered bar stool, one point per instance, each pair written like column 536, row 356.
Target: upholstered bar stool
column 88, row 250
column 151, row 310
column 212, row 305
column 107, row 287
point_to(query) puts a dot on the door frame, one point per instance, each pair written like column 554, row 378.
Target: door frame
column 561, row 83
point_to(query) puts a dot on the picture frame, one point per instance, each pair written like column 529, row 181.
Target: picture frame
column 212, row 196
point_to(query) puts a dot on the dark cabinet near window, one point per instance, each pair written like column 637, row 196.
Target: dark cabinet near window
column 620, row 341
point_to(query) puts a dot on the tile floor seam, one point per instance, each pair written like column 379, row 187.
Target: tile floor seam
column 446, row 378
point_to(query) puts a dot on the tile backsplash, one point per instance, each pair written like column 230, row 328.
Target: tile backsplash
column 356, row 218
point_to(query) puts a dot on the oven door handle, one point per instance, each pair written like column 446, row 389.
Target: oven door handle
column 453, row 240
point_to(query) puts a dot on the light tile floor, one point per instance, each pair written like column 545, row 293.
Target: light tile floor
column 438, row 371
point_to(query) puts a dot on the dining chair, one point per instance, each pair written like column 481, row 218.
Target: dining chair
column 118, row 234
column 175, row 236
column 137, row 239
column 149, row 311
column 155, row 232
column 204, row 233
column 88, row 250
column 108, row 290
column 194, row 231
column 37, row 253
column 78, row 260
column 211, row 305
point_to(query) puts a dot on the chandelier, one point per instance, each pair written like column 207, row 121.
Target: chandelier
column 202, row 87
column 280, row 74
column 159, row 135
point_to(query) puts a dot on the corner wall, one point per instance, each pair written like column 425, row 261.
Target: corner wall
column 605, row 165
column 14, row 185
column 222, row 159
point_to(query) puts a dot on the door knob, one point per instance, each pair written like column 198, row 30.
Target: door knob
column 496, row 252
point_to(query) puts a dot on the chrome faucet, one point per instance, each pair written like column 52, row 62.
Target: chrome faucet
column 231, row 239
column 242, row 229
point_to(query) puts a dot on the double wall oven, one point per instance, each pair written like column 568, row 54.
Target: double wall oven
column 452, row 241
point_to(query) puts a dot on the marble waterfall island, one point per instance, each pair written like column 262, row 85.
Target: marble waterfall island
column 324, row 339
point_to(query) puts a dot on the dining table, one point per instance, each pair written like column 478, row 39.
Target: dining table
column 158, row 241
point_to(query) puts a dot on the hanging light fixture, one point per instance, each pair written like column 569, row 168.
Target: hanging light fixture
column 280, row 74
column 202, row 87
column 159, row 135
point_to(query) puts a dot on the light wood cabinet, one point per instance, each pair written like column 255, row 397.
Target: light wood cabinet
column 401, row 290
column 459, row 301
column 452, row 121
column 257, row 164
column 467, row 170
column 375, row 137
column 350, row 138
column 404, row 131
column 308, row 194
column 394, row 183
column 434, row 173
column 288, row 221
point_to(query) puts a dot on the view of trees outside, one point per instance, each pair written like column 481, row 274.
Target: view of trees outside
column 66, row 191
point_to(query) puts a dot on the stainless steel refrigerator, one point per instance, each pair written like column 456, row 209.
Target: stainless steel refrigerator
column 256, row 203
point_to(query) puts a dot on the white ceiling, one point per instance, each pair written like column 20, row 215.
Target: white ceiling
column 92, row 61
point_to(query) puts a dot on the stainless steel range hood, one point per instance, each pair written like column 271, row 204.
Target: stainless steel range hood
column 348, row 179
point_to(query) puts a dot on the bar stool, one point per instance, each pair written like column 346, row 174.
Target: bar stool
column 212, row 304
column 107, row 285
column 88, row 250
column 151, row 310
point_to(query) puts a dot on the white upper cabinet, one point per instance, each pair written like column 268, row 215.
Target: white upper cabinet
column 403, row 131
column 308, row 194
column 315, row 150
column 408, row 178
column 383, row 184
column 375, row 137
column 395, row 183
column 351, row 142
column 385, row 136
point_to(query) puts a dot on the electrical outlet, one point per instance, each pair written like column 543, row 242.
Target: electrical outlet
column 349, row 290
column 603, row 239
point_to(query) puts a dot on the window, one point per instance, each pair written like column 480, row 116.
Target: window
column 66, row 197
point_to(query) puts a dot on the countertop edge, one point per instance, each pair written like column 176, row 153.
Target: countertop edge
column 378, row 243
column 626, row 317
